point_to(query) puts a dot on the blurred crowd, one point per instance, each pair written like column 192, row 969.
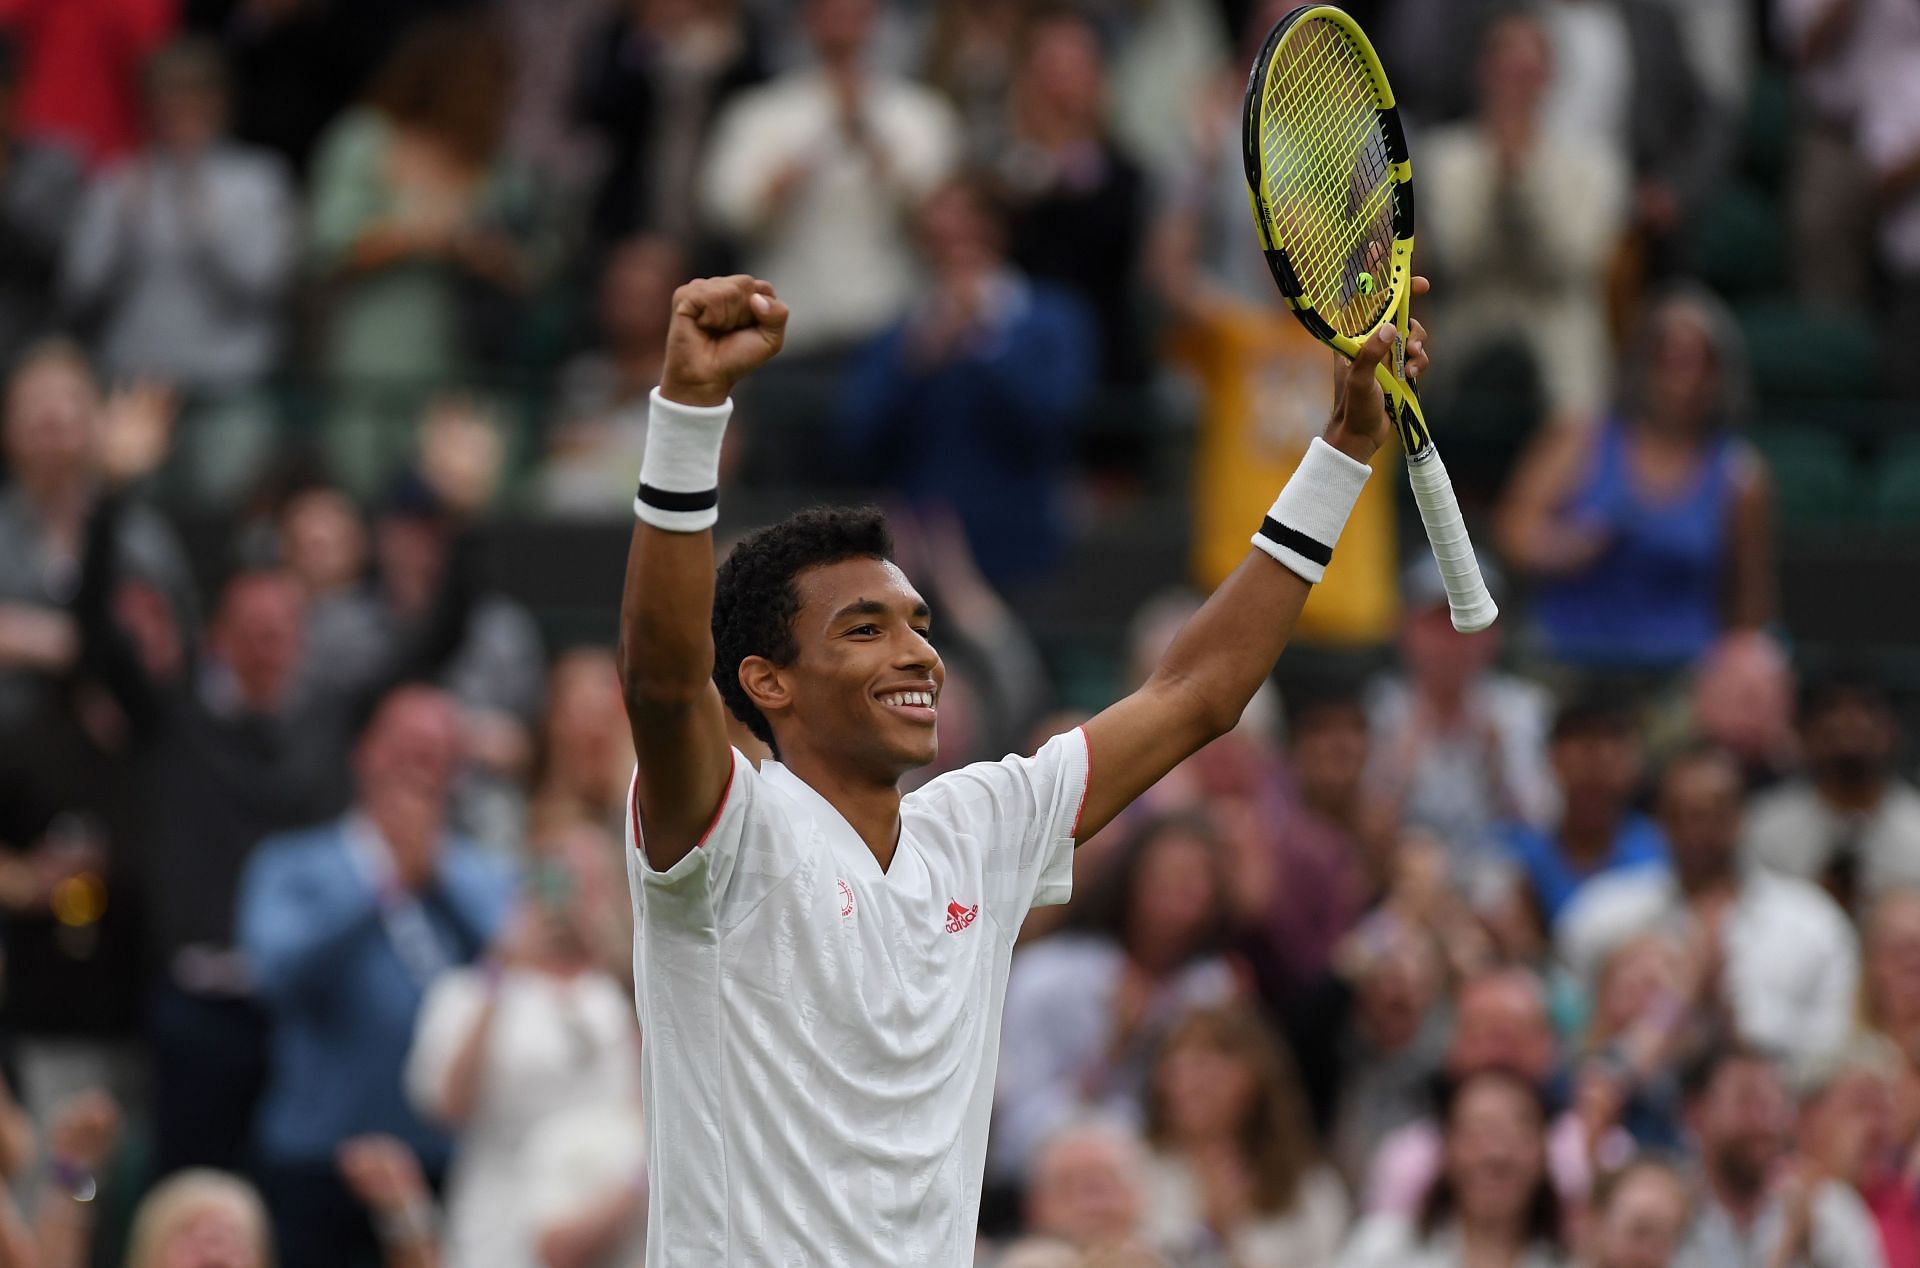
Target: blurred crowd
column 1592, row 940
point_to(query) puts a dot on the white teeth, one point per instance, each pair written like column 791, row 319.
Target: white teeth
column 902, row 698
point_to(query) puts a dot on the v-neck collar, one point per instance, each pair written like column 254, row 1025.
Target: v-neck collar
column 847, row 844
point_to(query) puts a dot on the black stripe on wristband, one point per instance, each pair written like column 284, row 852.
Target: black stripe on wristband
column 1296, row 541
column 664, row 500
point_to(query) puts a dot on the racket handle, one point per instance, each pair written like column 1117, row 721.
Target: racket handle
column 1467, row 595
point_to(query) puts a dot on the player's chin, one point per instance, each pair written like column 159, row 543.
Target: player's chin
column 912, row 748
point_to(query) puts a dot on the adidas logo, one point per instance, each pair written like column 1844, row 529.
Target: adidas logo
column 959, row 917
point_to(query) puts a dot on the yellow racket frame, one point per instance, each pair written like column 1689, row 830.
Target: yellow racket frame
column 1331, row 143
column 1408, row 418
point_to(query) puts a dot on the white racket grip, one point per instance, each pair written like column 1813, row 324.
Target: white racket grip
column 1473, row 607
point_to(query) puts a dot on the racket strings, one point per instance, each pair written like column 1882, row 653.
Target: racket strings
column 1327, row 177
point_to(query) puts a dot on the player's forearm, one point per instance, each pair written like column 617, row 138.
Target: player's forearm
column 1226, row 651
column 1229, row 647
column 666, row 614
column 666, row 617
column 1220, row 658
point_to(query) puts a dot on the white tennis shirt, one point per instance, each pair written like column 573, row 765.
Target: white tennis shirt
column 819, row 1036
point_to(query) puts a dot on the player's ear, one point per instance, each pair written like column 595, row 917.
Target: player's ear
column 764, row 684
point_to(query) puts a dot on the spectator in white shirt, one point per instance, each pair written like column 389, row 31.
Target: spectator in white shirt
column 180, row 261
column 1462, row 747
column 538, row 1032
column 1761, row 1207
column 1777, row 958
column 1850, row 822
column 1522, row 223
column 1854, row 64
column 816, row 172
column 1887, row 133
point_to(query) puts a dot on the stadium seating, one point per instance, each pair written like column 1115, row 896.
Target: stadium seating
column 1814, row 474
column 1805, row 354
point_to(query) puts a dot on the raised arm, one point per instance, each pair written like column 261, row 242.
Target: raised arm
column 722, row 329
column 1229, row 647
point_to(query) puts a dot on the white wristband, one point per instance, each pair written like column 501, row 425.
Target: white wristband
column 680, row 474
column 1304, row 525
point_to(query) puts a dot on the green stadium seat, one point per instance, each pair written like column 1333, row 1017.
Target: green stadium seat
column 1816, row 485
column 1737, row 244
column 1896, row 495
column 1768, row 140
column 1806, row 354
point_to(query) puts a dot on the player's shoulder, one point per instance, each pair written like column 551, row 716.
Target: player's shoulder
column 771, row 799
column 1063, row 756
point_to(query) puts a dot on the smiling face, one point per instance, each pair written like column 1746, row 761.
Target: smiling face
column 863, row 689
column 1494, row 1151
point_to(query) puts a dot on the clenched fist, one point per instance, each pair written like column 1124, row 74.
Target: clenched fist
column 723, row 329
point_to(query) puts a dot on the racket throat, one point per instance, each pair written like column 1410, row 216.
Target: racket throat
column 1415, row 439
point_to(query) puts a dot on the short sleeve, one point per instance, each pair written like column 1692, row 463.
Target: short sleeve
column 447, row 1017
column 1024, row 812
column 745, row 850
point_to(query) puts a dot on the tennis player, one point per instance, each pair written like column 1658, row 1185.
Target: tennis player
column 820, row 961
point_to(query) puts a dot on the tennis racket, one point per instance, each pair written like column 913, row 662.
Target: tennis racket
column 1332, row 191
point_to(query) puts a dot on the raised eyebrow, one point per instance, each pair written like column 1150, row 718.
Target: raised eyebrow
column 860, row 607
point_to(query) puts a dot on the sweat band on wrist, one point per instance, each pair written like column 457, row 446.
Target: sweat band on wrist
column 1304, row 525
column 680, row 474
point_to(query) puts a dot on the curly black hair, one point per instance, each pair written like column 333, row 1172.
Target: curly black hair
column 755, row 601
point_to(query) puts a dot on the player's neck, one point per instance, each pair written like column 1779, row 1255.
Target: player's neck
column 871, row 806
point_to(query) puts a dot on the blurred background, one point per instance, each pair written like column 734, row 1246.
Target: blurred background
column 328, row 328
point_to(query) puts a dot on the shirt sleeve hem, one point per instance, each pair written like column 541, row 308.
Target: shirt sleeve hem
column 706, row 833
column 1086, row 783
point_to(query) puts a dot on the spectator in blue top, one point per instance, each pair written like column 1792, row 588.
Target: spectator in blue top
column 974, row 399
column 344, row 926
column 1595, row 754
column 1651, row 535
